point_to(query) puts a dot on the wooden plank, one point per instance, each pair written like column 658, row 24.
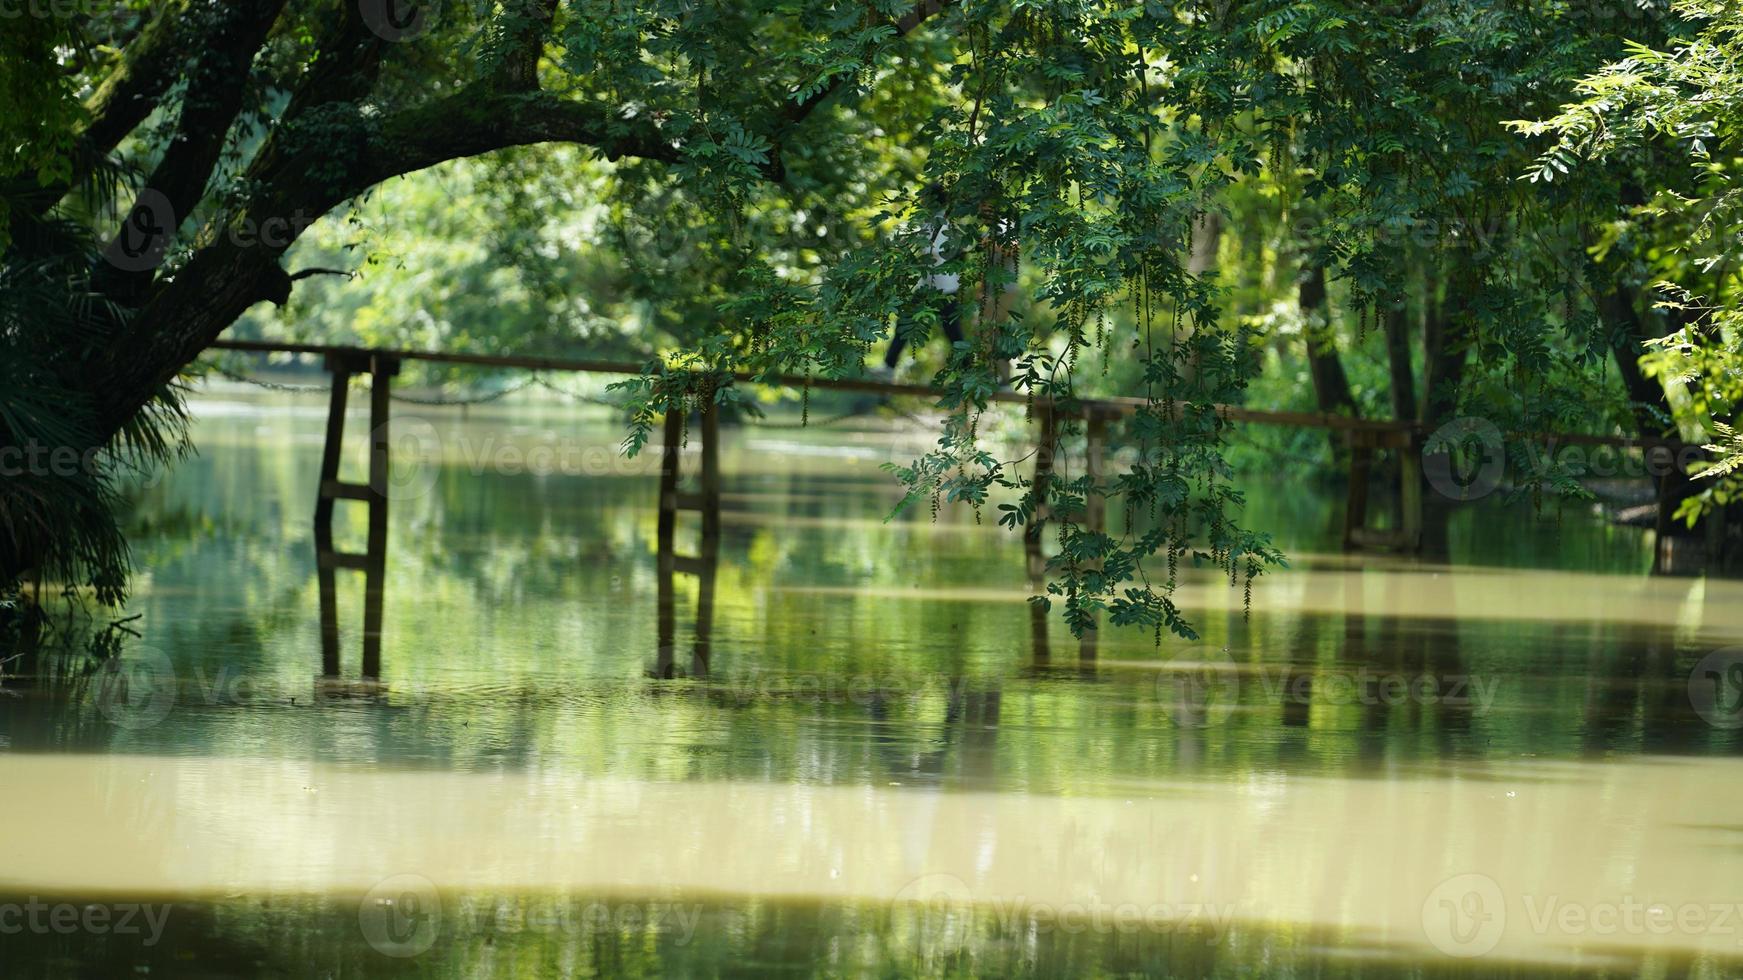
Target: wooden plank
column 1115, row 407
column 340, row 490
column 692, row 565
column 1111, row 407
column 683, row 500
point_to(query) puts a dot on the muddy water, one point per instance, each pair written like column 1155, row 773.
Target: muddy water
column 1523, row 761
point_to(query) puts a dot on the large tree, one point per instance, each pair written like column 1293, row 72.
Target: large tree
column 199, row 138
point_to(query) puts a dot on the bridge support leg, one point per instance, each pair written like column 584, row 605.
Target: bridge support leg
column 703, row 565
column 668, row 528
column 1045, row 441
column 325, row 568
column 1095, row 509
column 709, row 559
column 1407, row 535
column 1361, row 448
column 1409, row 492
column 373, row 562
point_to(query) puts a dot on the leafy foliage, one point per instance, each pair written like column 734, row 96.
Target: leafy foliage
column 58, row 497
column 1673, row 115
column 761, row 187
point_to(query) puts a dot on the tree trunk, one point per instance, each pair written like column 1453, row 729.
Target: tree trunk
column 1446, row 341
column 1396, row 323
column 1331, row 386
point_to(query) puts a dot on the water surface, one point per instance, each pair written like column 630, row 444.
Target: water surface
column 1492, row 765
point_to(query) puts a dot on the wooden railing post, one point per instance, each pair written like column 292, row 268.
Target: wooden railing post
column 381, row 373
column 708, row 561
column 1046, row 438
column 668, row 527
column 373, row 562
column 325, row 570
column 1407, row 535
column 1410, row 492
column 1094, row 510
column 1356, row 502
column 704, row 565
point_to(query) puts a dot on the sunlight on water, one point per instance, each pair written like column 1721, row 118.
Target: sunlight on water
column 882, row 765
column 1629, row 847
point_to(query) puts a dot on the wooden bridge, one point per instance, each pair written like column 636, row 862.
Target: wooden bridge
column 1363, row 437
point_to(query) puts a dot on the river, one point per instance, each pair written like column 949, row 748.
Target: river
column 1522, row 761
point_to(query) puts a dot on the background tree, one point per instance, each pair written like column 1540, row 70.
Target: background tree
column 1665, row 124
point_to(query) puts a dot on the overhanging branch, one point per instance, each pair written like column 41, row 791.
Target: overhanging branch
column 479, row 120
column 214, row 96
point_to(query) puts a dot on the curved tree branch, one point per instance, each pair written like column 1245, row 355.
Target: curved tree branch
column 316, row 270
column 209, row 107
column 146, row 68
column 479, row 120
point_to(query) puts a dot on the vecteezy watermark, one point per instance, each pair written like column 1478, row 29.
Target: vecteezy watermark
column 1467, row 459
column 1203, row 692
column 139, row 688
column 1200, row 692
column 61, row 9
column 1468, row 915
column 941, row 908
column 35, row 459
column 66, row 919
column 401, row 916
column 398, row 20
column 150, row 226
column 143, row 240
column 1464, row 459
column 1372, row 688
column 1194, row 693
column 1465, row 915
column 404, row 915
column 1212, row 921
column 1716, row 688
column 862, row 690
column 1421, row 232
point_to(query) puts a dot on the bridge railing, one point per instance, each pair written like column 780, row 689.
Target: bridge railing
column 1363, row 437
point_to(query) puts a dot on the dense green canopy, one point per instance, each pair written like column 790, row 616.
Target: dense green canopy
column 1191, row 187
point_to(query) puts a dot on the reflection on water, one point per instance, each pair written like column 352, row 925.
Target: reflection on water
column 1389, row 767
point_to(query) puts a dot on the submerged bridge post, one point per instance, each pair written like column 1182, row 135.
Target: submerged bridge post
column 703, row 565
column 1095, row 507
column 381, row 369
column 1363, row 445
column 1046, row 438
